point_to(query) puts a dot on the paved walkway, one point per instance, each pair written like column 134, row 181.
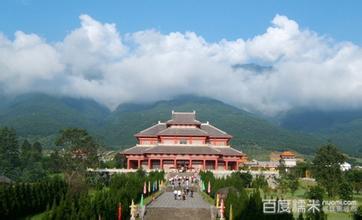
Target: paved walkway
column 167, row 200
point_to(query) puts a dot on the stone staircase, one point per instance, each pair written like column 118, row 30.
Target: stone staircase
column 179, row 214
column 165, row 207
column 193, row 208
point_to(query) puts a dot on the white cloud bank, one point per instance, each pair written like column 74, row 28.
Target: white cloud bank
column 95, row 61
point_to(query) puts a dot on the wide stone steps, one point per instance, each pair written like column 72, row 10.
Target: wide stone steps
column 166, row 207
column 178, row 214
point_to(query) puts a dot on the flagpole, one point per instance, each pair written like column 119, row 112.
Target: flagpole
column 119, row 211
column 231, row 217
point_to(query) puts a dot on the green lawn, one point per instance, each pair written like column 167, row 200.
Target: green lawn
column 61, row 175
column 339, row 216
column 358, row 198
column 39, row 216
column 300, row 194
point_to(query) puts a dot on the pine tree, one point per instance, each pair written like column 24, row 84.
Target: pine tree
column 9, row 153
column 326, row 168
column 36, row 150
column 25, row 150
column 300, row 217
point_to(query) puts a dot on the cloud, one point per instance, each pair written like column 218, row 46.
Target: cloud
column 25, row 60
column 95, row 61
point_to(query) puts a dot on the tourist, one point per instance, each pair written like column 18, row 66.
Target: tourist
column 175, row 194
column 179, row 194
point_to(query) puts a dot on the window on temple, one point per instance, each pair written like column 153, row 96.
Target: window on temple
column 183, row 141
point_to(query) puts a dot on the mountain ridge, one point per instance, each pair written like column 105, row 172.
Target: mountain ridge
column 342, row 127
column 40, row 115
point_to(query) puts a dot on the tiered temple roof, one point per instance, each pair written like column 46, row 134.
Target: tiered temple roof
column 183, row 140
column 183, row 124
column 202, row 150
column 183, row 119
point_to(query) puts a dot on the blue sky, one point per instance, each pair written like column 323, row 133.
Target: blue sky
column 213, row 20
column 143, row 51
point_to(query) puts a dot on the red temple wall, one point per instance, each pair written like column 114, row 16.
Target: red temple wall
column 147, row 140
column 187, row 140
column 218, row 142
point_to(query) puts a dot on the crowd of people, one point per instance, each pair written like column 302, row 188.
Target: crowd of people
column 183, row 186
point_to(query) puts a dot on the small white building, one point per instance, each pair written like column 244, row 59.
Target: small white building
column 345, row 166
column 287, row 158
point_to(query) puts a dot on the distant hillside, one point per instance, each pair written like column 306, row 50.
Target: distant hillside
column 343, row 128
column 43, row 115
column 39, row 115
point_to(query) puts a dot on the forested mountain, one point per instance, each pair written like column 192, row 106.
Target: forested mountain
column 43, row 115
column 342, row 127
column 39, row 115
column 247, row 129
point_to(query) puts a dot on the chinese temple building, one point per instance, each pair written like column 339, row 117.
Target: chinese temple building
column 287, row 158
column 183, row 141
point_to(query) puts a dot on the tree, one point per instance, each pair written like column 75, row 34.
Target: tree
column 22, row 199
column 300, row 216
column 9, row 153
column 260, row 183
column 25, row 150
column 283, row 184
column 358, row 214
column 36, row 150
column 31, row 162
column 293, row 183
column 80, row 152
column 354, row 176
column 326, row 168
column 55, row 163
column 300, row 169
column 346, row 190
column 254, row 207
column 288, row 180
column 119, row 161
column 25, row 153
column 316, row 193
column 80, row 148
column 34, row 171
column 247, row 178
column 282, row 169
